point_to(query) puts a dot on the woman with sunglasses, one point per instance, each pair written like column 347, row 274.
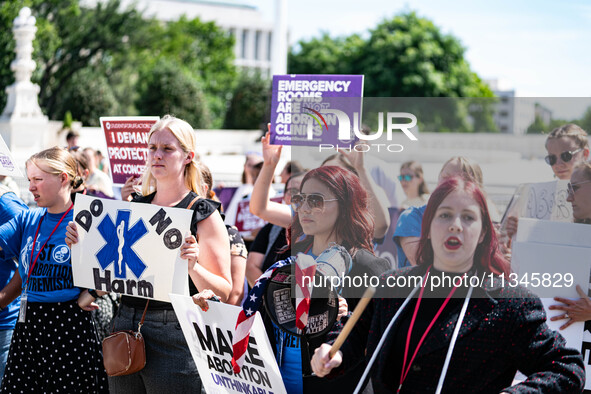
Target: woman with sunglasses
column 461, row 335
column 579, row 195
column 331, row 208
column 567, row 146
column 413, row 184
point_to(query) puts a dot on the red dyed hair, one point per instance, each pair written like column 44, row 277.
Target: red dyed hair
column 354, row 225
column 487, row 255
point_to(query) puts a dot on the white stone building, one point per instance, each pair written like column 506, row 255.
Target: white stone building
column 260, row 45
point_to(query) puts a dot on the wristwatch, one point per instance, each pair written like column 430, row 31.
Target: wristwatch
column 93, row 293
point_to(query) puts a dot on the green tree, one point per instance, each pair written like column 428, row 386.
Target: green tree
column 249, row 106
column 164, row 88
column 69, row 38
column 537, row 127
column 325, row 55
column 203, row 50
column 116, row 43
column 87, row 96
column 585, row 121
column 406, row 56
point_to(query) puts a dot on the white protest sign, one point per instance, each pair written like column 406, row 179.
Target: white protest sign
column 130, row 248
column 7, row 163
column 547, row 235
column 545, row 201
column 555, row 233
column 209, row 336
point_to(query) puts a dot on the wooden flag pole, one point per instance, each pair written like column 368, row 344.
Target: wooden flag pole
column 369, row 292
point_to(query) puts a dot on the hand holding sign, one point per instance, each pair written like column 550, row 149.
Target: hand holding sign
column 127, row 248
column 271, row 153
column 190, row 251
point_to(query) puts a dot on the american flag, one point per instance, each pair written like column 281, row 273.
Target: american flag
column 246, row 317
column 305, row 268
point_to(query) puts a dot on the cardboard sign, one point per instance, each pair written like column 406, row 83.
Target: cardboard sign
column 558, row 248
column 238, row 213
column 127, row 145
column 247, row 222
column 543, row 201
column 300, row 103
column 7, row 163
column 130, row 248
column 209, row 337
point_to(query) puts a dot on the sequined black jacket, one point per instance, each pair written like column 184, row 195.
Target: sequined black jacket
column 504, row 330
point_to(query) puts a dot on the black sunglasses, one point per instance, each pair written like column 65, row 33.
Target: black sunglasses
column 315, row 201
column 566, row 156
column 573, row 187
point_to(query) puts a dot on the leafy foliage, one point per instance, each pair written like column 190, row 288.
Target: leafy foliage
column 87, row 96
column 406, row 56
column 165, row 89
column 116, row 43
column 249, row 106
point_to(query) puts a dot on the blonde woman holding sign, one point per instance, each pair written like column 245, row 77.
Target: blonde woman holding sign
column 55, row 346
column 173, row 179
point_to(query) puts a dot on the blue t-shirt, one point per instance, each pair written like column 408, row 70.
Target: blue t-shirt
column 51, row 280
column 289, row 359
column 10, row 206
column 408, row 225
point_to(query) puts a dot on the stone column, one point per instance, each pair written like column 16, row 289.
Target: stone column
column 22, row 124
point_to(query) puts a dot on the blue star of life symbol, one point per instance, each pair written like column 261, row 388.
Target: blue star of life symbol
column 119, row 238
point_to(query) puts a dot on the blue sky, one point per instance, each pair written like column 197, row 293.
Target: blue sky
column 539, row 48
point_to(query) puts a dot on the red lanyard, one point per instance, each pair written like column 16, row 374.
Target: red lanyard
column 406, row 369
column 35, row 241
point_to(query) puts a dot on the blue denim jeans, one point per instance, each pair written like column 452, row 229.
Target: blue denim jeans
column 5, row 338
column 169, row 365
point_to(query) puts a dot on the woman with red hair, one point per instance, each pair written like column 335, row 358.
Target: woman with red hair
column 331, row 208
column 470, row 332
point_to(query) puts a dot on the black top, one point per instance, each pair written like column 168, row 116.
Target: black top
column 202, row 209
column 504, row 330
column 261, row 244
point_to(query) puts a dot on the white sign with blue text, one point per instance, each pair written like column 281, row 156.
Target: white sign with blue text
column 131, row 249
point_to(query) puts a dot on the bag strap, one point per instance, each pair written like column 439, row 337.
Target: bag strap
column 192, row 202
column 141, row 323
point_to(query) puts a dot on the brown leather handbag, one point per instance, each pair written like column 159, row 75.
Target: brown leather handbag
column 124, row 352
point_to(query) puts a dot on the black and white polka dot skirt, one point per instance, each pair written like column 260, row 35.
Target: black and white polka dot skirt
column 55, row 351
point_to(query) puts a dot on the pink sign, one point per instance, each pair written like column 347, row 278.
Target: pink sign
column 127, row 145
column 246, row 222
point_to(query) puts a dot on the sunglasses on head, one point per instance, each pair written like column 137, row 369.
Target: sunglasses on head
column 573, row 187
column 315, row 201
column 566, row 156
column 406, row 178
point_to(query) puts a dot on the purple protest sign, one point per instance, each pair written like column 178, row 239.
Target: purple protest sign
column 307, row 110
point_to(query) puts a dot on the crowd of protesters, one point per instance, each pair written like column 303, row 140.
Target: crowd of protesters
column 452, row 339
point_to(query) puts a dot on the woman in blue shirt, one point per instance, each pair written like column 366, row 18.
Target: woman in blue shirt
column 54, row 346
